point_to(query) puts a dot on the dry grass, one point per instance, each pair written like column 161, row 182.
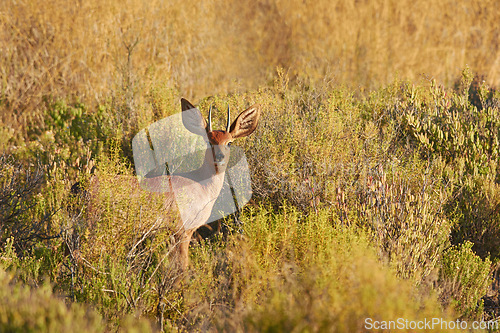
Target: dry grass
column 93, row 50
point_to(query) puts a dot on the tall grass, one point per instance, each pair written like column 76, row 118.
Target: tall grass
column 87, row 50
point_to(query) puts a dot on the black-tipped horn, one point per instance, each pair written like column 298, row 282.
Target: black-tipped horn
column 228, row 119
column 210, row 119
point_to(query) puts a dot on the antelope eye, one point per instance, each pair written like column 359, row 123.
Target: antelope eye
column 229, row 144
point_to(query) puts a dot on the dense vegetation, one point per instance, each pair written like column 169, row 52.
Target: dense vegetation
column 375, row 195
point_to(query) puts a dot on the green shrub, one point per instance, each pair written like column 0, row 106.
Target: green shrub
column 464, row 278
column 121, row 263
column 23, row 309
column 295, row 272
column 401, row 205
column 23, row 217
column 445, row 124
column 28, row 303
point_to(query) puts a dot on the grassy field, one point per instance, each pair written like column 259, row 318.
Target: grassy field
column 375, row 167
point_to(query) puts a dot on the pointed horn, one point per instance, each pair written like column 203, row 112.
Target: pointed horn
column 210, row 119
column 228, row 119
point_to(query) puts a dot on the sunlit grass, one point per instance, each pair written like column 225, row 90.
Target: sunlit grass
column 93, row 49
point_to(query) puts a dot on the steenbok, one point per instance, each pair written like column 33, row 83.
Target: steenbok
column 190, row 196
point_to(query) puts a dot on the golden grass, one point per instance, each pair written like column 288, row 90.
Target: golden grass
column 96, row 49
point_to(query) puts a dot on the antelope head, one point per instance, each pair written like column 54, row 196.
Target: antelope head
column 219, row 141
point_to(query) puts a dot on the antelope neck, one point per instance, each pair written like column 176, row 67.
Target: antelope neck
column 207, row 176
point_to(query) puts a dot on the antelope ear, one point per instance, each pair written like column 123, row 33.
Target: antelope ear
column 192, row 118
column 246, row 122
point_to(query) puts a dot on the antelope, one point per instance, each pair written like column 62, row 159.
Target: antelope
column 199, row 189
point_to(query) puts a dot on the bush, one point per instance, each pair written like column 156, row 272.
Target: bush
column 36, row 310
column 21, row 217
column 298, row 272
column 403, row 210
column 445, row 124
column 464, row 278
column 29, row 304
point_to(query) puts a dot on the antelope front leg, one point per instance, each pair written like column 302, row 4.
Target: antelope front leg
column 182, row 240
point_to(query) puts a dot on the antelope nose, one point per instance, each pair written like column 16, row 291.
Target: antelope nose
column 219, row 157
